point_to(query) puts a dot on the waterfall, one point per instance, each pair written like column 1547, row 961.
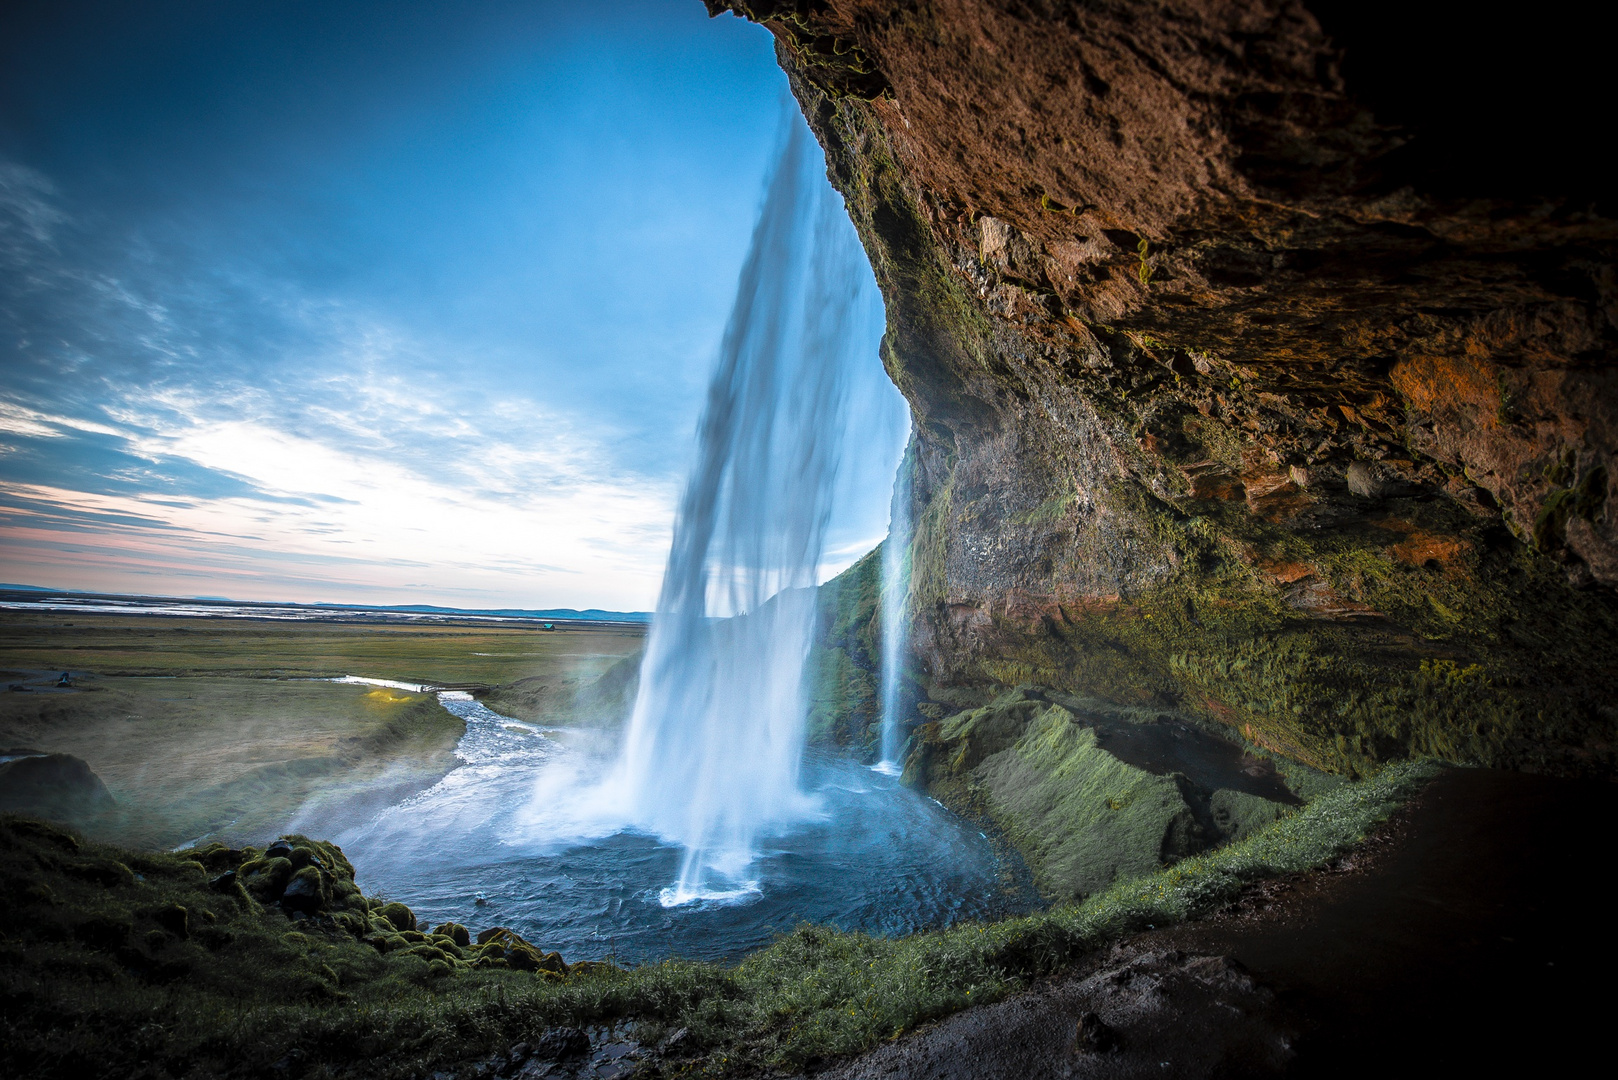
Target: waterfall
column 714, row 744
column 895, row 623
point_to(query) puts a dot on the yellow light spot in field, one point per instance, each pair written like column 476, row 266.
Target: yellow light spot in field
column 387, row 697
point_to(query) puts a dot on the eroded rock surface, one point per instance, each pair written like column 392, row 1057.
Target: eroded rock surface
column 1242, row 386
column 1161, row 1013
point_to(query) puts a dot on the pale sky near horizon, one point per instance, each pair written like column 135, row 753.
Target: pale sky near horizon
column 374, row 302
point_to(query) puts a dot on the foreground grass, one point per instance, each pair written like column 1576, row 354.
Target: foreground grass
column 92, row 983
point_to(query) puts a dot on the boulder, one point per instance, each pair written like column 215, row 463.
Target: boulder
column 561, row 1043
column 401, row 917
column 309, row 891
column 501, row 943
column 265, row 878
column 54, row 786
column 456, row 933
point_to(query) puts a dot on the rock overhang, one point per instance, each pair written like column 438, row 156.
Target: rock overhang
column 1232, row 393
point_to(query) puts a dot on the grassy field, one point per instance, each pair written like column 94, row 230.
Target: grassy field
column 214, row 727
column 166, row 645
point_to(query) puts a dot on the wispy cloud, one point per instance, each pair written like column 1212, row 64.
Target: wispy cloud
column 426, row 322
column 356, row 459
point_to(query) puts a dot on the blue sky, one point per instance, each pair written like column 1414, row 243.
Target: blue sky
column 374, row 302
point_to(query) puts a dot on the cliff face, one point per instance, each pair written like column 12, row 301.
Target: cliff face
column 1262, row 369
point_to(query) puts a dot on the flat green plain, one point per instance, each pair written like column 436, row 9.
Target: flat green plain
column 218, row 728
column 488, row 653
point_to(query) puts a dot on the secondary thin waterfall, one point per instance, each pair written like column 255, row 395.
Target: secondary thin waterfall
column 895, row 623
column 714, row 744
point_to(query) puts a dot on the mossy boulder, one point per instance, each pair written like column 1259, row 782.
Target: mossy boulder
column 265, row 879
column 400, row 917
column 455, row 932
column 308, row 891
column 503, row 944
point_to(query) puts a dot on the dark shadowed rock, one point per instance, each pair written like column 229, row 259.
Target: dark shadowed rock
column 558, row 1044
column 1095, row 1036
column 1167, row 1014
column 306, row 891
column 58, row 786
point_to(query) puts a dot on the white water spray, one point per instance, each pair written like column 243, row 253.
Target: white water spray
column 895, row 622
column 714, row 744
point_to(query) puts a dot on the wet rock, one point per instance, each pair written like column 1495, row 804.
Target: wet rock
column 559, row 1044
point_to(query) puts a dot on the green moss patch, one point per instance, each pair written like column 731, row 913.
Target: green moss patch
column 1080, row 816
column 842, row 675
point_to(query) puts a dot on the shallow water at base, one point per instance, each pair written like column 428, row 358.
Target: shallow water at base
column 879, row 858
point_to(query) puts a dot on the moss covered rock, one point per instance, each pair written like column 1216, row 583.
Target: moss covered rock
column 499, row 943
column 1240, row 815
column 1081, row 816
column 455, row 932
column 400, row 917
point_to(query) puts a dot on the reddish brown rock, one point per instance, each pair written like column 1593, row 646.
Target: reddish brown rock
column 1183, row 291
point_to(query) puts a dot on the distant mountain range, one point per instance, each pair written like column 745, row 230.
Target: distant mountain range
column 573, row 614
column 594, row 614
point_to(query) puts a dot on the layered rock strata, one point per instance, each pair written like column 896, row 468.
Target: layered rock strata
column 1244, row 387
